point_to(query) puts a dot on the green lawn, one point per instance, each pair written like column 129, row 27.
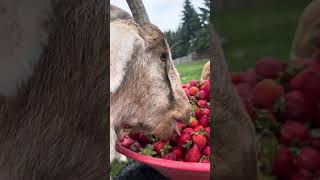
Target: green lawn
column 255, row 32
column 191, row 70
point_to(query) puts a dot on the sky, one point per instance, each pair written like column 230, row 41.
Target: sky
column 166, row 14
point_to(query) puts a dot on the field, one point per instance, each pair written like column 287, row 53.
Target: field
column 254, row 32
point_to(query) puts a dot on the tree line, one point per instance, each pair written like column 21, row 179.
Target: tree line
column 192, row 34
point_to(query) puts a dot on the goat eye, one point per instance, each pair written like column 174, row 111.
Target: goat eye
column 164, row 56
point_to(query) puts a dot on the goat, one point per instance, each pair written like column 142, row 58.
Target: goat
column 54, row 74
column 306, row 42
column 205, row 75
column 146, row 91
column 234, row 135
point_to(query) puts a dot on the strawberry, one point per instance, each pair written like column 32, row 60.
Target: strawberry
column 249, row 77
column 206, row 111
column 162, row 147
column 170, row 156
column 206, row 88
column 135, row 147
column 296, row 83
column 235, row 78
column 203, row 95
column 142, row 139
column 309, row 158
column 206, row 151
column 204, row 120
column 198, row 113
column 194, row 83
column 311, row 85
column 202, row 103
column 207, row 129
column 148, row 150
column 199, row 139
column 283, row 164
column 188, row 130
column 269, row 68
column 266, row 92
column 244, row 90
column 198, row 128
column 193, row 122
column 204, row 159
column 183, row 139
column 315, row 143
column 127, row 142
column 297, row 107
column 293, row 133
column 193, row 154
column 193, row 91
column 177, row 152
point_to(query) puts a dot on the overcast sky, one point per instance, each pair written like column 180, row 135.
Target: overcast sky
column 166, row 14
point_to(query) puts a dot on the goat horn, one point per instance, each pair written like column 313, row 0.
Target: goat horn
column 138, row 11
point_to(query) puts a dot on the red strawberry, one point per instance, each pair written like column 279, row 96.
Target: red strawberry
column 249, row 77
column 193, row 154
column 202, row 95
column 193, row 91
column 198, row 113
column 298, row 81
column 127, row 142
column 183, row 139
column 170, row 156
column 244, row 90
column 316, row 120
column 194, row 123
column 198, row 128
column 293, row 132
column 309, row 158
column 283, row 165
column 302, row 174
column 235, row 78
column 142, row 139
column 317, row 174
column 188, row 130
column 204, row 121
column 204, row 159
column 269, row 68
column 199, row 139
column 162, row 147
column 206, row 151
column 206, row 88
column 206, row 111
column 311, row 85
column 297, row 107
column 194, row 83
column 266, row 92
column 202, row 103
column 315, row 143
column 177, row 152
column 207, row 129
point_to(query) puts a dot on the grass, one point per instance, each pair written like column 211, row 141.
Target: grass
column 191, row 71
column 254, row 32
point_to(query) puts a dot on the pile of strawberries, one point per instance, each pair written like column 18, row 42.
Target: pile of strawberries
column 191, row 142
column 284, row 99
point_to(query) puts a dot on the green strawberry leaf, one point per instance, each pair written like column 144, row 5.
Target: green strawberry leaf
column 187, row 145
